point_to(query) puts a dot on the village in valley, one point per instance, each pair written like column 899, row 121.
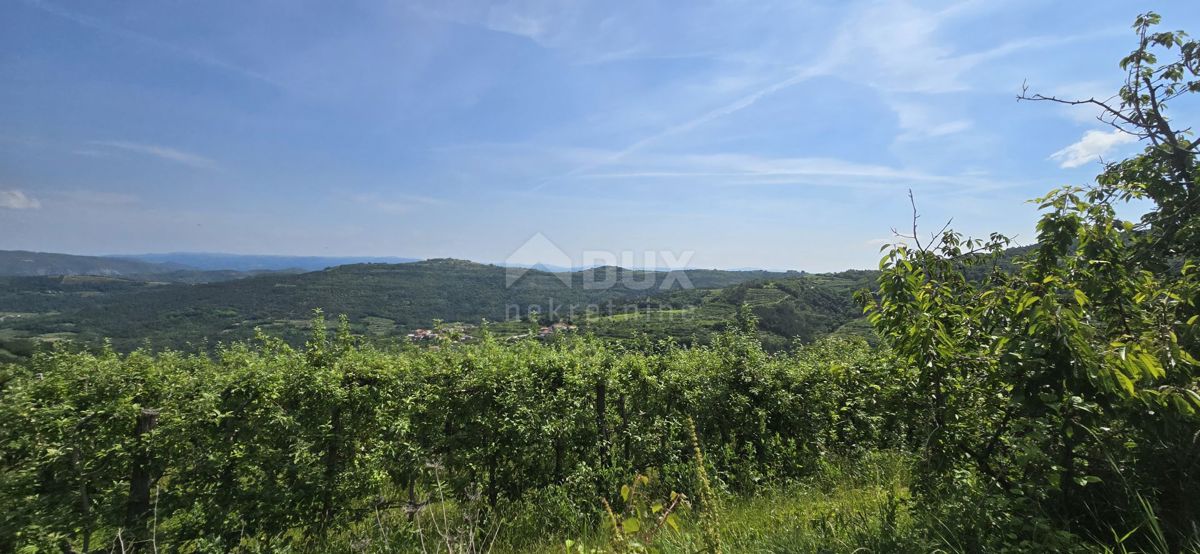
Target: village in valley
column 460, row 332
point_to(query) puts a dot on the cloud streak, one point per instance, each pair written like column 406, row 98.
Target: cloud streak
column 161, row 152
column 157, row 44
column 15, row 199
column 890, row 46
column 728, row 109
column 731, row 169
column 1091, row 147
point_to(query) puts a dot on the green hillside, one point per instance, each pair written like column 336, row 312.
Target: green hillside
column 20, row 263
column 190, row 307
column 382, row 299
column 796, row 308
column 25, row 263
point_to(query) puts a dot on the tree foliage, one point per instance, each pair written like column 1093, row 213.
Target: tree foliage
column 1068, row 387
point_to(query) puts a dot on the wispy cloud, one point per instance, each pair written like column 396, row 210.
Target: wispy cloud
column 735, row 169
column 1091, row 147
column 162, row 152
column 507, row 162
column 146, row 40
column 897, row 46
column 909, row 54
column 892, row 46
column 1084, row 113
column 534, row 24
column 15, row 199
column 564, row 27
column 737, row 105
column 921, row 120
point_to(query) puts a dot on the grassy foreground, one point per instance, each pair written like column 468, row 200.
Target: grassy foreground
column 846, row 506
column 859, row 505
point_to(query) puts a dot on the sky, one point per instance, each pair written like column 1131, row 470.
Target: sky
column 729, row 134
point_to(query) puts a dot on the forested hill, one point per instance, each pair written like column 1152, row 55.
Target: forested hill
column 248, row 262
column 178, row 308
column 21, row 263
column 789, row 308
column 385, row 299
column 25, row 263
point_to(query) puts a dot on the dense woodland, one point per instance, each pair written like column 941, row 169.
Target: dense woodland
column 389, row 300
column 1047, row 402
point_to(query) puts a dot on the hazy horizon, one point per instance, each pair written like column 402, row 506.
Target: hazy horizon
column 150, row 256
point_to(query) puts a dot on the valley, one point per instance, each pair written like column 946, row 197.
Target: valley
column 388, row 301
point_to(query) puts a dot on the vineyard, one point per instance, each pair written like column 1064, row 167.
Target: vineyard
column 268, row 445
column 265, row 448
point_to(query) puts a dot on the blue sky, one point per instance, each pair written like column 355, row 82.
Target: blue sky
column 777, row 134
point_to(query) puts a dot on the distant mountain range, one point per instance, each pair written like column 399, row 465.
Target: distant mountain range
column 21, row 263
column 176, row 267
column 192, row 267
column 25, row 263
column 251, row 262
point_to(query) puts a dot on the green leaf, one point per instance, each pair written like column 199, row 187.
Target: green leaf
column 625, row 493
column 1027, row 302
column 1080, row 297
column 631, row 525
column 1152, row 365
column 1124, row 381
